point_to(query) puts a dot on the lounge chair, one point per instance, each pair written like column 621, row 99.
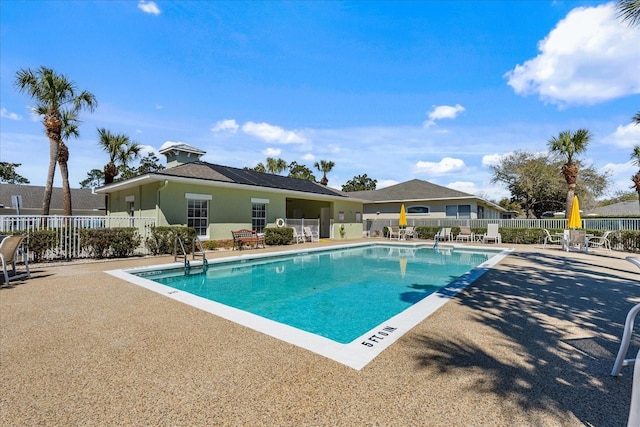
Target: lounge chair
column 465, row 234
column 409, row 233
column 298, row 238
column 492, row 234
column 311, row 235
column 394, row 232
column 601, row 241
column 444, row 234
column 548, row 238
column 9, row 248
column 575, row 239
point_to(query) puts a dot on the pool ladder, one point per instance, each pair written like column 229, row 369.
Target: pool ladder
column 197, row 251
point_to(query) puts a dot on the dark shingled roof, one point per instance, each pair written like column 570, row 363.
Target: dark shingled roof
column 416, row 189
column 32, row 195
column 212, row 172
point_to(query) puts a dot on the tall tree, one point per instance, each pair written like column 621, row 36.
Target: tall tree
column 536, row 187
column 301, row 172
column 325, row 167
column 275, row 166
column 360, row 183
column 8, row 174
column 120, row 149
column 149, row 164
column 95, row 178
column 55, row 96
column 568, row 145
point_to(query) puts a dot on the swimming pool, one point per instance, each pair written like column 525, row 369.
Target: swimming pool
column 347, row 303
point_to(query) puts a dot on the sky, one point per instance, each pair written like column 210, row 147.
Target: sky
column 433, row 90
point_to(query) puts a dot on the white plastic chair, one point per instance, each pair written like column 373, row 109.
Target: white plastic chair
column 601, row 241
column 311, row 235
column 298, row 238
column 551, row 239
column 8, row 255
column 492, row 234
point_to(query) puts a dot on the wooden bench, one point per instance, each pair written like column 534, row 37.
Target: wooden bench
column 246, row 236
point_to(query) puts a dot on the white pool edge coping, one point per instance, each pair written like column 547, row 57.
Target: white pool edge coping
column 356, row 354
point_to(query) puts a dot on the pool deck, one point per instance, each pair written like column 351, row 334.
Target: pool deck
column 531, row 342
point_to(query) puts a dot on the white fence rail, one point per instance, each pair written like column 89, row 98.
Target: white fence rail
column 631, row 224
column 67, row 229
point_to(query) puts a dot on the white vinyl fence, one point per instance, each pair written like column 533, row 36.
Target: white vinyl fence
column 68, row 228
column 376, row 227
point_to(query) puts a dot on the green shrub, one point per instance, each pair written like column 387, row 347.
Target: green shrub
column 104, row 242
column 40, row 241
column 123, row 241
column 162, row 239
column 209, row 245
column 278, row 236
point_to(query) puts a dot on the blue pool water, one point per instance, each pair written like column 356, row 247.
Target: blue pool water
column 338, row 294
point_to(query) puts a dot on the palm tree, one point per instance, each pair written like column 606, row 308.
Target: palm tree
column 324, row 167
column 120, row 149
column 629, row 10
column 568, row 145
column 275, row 166
column 55, row 96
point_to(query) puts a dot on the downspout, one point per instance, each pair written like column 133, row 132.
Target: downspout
column 166, row 183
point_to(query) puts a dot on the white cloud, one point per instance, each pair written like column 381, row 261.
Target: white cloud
column 271, row 133
column 146, row 149
column 466, row 186
column 228, row 125
column 386, row 183
column 589, row 57
column 308, row 157
column 493, row 159
column 445, row 166
column 11, row 116
column 625, row 136
column 443, row 112
column 272, row 152
column 621, row 174
column 149, row 7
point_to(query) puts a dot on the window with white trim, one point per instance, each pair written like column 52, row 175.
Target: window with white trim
column 418, row 210
column 458, row 211
column 198, row 213
column 258, row 216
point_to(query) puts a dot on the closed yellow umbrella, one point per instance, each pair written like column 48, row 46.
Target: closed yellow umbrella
column 403, row 217
column 574, row 216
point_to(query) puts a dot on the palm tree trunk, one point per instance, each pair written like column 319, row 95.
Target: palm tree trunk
column 53, row 127
column 570, row 172
column 63, row 161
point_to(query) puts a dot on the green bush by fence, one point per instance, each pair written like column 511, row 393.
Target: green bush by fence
column 110, row 242
column 162, row 239
column 278, row 236
column 40, row 241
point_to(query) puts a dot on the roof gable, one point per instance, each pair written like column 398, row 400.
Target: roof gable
column 32, row 196
column 415, row 189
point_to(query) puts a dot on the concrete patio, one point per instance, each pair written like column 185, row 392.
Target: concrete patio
column 531, row 342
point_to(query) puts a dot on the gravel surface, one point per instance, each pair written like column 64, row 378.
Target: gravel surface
column 531, row 343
